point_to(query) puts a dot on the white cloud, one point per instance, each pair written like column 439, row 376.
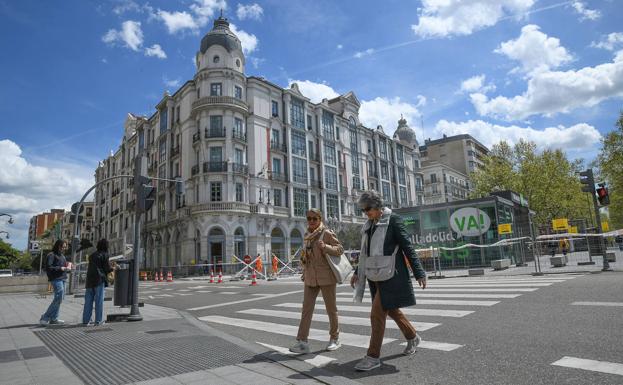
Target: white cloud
column 196, row 18
column 126, row 6
column 445, row 18
column 340, row 46
column 130, row 34
column 585, row 14
column 249, row 41
column 28, row 189
column 178, row 21
column 551, row 92
column 361, row 54
column 206, row 9
column 387, row 112
column 155, row 50
column 171, row 82
column 256, row 61
column 535, row 50
column 611, row 42
column 579, row 137
column 315, row 91
column 476, row 84
column 252, row 11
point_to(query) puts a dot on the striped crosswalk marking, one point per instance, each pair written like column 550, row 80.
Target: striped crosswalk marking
column 318, row 360
column 491, row 284
column 342, row 319
column 406, row 311
column 349, row 339
column 469, row 289
column 444, row 346
column 431, row 302
column 592, row 365
column 614, row 304
column 456, row 295
column 203, row 291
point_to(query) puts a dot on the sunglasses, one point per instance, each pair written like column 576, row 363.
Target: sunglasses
column 311, row 219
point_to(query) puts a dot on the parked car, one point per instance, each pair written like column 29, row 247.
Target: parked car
column 6, row 273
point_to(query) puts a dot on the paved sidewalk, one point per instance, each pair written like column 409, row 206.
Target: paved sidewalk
column 167, row 347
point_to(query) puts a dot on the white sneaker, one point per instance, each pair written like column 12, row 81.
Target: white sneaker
column 57, row 322
column 411, row 345
column 43, row 322
column 368, row 363
column 300, row 347
column 334, row 344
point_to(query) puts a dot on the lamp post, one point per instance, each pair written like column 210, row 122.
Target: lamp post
column 5, row 232
column 8, row 215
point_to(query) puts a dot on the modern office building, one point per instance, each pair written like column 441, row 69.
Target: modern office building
column 253, row 157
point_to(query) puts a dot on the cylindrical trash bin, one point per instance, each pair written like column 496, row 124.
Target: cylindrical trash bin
column 122, row 283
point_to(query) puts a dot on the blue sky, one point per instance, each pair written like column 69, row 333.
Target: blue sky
column 544, row 70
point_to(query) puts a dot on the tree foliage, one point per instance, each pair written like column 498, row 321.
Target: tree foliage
column 611, row 169
column 8, row 255
column 547, row 179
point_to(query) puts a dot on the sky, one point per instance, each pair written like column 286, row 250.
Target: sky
column 547, row 71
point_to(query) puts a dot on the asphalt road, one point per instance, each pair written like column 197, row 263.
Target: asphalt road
column 498, row 330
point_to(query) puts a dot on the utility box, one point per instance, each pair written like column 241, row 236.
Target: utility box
column 122, row 283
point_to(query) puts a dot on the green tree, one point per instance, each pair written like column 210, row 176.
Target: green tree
column 8, row 255
column 611, row 169
column 547, row 179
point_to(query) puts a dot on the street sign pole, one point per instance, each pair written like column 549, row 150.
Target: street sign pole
column 135, row 314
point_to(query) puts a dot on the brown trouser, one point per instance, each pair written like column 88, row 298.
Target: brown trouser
column 309, row 302
column 378, row 315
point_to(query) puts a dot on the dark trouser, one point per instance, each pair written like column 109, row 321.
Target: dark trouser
column 378, row 316
column 309, row 302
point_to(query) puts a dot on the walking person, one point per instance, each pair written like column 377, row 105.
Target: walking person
column 318, row 277
column 97, row 272
column 56, row 270
column 382, row 263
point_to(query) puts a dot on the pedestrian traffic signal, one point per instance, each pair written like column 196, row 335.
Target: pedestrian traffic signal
column 586, row 178
column 144, row 194
column 602, row 195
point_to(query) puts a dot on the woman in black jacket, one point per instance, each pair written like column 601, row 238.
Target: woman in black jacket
column 56, row 268
column 99, row 267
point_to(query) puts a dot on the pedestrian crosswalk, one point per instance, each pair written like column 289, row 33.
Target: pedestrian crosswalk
column 443, row 299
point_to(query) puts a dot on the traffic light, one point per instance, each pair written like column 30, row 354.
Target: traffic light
column 586, row 178
column 144, row 193
column 602, row 195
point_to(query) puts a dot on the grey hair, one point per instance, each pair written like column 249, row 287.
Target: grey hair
column 371, row 199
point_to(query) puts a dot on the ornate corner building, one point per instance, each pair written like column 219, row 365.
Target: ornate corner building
column 253, row 157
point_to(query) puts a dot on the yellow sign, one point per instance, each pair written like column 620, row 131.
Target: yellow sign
column 505, row 228
column 560, row 224
column 573, row 229
column 604, row 226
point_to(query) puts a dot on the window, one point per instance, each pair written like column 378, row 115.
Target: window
column 332, row 206
column 300, row 202
column 327, row 125
column 383, row 149
column 215, row 191
column 277, row 197
column 330, row 177
column 275, row 137
column 216, row 59
column 276, row 166
column 216, row 123
column 401, row 176
column 298, row 143
column 433, row 178
column 297, row 118
column 329, row 153
column 163, row 120
column 312, row 174
column 238, row 156
column 238, row 92
column 216, row 154
column 275, row 108
column 239, row 192
column 403, row 196
column 337, row 132
column 300, row 170
column 216, row 89
column 369, row 146
column 384, row 170
column 162, row 150
column 313, row 201
column 400, row 157
column 177, row 114
column 238, row 128
column 309, row 122
column 386, row 192
column 310, row 145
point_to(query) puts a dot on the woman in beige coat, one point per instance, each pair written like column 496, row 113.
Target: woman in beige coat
column 318, row 277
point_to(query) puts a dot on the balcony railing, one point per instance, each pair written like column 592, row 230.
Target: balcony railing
column 219, row 100
column 215, row 133
column 175, row 151
column 314, row 157
column 214, row 166
column 240, row 168
column 300, row 179
column 277, row 176
column 276, row 146
column 315, row 183
column 194, row 170
column 221, row 206
column 238, row 135
column 196, row 136
column 373, row 175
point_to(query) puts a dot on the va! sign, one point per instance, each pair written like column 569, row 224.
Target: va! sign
column 470, row 222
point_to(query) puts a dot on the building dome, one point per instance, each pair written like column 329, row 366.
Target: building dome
column 405, row 134
column 221, row 35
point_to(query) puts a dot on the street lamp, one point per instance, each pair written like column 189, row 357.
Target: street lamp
column 4, row 232
column 10, row 218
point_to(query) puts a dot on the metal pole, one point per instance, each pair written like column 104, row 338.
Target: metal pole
column 602, row 245
column 40, row 260
column 135, row 314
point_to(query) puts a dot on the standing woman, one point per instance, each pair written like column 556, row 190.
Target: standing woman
column 56, row 269
column 385, row 238
column 99, row 267
column 318, row 276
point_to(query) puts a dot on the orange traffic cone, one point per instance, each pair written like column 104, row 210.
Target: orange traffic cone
column 220, row 277
column 160, row 277
column 143, row 275
column 211, row 276
column 155, row 276
column 253, row 281
column 169, row 277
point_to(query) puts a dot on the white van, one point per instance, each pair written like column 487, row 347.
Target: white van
column 6, row 273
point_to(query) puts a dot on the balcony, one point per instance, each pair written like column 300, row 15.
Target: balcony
column 194, row 170
column 373, row 174
column 115, row 192
column 220, row 206
column 276, row 146
column 299, row 179
column 217, row 133
column 281, row 211
column 238, row 168
column 314, row 157
column 211, row 101
column 175, row 151
column 277, row 176
column 114, row 212
column 214, row 166
column 239, row 136
column 315, row 183
column 129, row 205
column 196, row 137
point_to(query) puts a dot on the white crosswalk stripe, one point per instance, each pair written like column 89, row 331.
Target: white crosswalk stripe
column 492, row 284
column 343, row 320
column 406, row 311
column 592, row 365
column 318, row 360
column 431, row 302
column 420, row 294
column 491, row 290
